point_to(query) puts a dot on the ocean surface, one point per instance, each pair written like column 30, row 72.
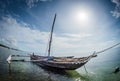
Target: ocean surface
column 98, row 69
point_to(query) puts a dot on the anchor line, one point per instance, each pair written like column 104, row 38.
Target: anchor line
column 107, row 49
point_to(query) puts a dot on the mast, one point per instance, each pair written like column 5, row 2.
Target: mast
column 49, row 49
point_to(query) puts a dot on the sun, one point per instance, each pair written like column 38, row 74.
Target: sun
column 82, row 16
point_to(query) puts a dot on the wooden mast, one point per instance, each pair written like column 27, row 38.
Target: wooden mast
column 49, row 49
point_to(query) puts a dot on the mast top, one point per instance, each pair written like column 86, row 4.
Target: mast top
column 51, row 33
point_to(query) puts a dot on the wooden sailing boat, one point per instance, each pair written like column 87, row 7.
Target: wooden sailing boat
column 65, row 63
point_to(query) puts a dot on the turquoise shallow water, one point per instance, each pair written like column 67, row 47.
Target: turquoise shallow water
column 99, row 69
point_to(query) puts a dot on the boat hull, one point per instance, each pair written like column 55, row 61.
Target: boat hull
column 58, row 65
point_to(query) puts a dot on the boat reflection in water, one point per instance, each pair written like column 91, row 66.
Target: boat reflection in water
column 37, row 73
column 63, row 75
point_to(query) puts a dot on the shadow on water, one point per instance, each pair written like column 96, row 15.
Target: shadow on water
column 72, row 75
column 36, row 73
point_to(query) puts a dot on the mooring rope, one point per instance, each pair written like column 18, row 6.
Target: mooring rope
column 85, row 69
column 107, row 48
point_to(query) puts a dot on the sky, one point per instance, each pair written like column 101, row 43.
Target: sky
column 81, row 26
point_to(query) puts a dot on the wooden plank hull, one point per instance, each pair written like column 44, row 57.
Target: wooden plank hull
column 70, row 65
column 63, row 67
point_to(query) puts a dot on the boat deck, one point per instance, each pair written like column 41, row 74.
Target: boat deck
column 60, row 59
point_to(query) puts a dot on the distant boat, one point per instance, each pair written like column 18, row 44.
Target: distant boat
column 65, row 63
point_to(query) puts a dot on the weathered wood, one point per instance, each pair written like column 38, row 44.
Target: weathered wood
column 61, row 63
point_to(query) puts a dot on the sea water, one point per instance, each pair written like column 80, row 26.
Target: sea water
column 98, row 69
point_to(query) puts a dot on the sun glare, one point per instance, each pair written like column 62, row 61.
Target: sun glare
column 82, row 16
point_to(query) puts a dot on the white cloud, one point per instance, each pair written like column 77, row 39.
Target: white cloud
column 32, row 3
column 9, row 41
column 117, row 2
column 77, row 35
column 116, row 12
column 20, row 34
column 77, row 44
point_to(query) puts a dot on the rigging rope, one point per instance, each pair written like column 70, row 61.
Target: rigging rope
column 85, row 69
column 107, row 48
